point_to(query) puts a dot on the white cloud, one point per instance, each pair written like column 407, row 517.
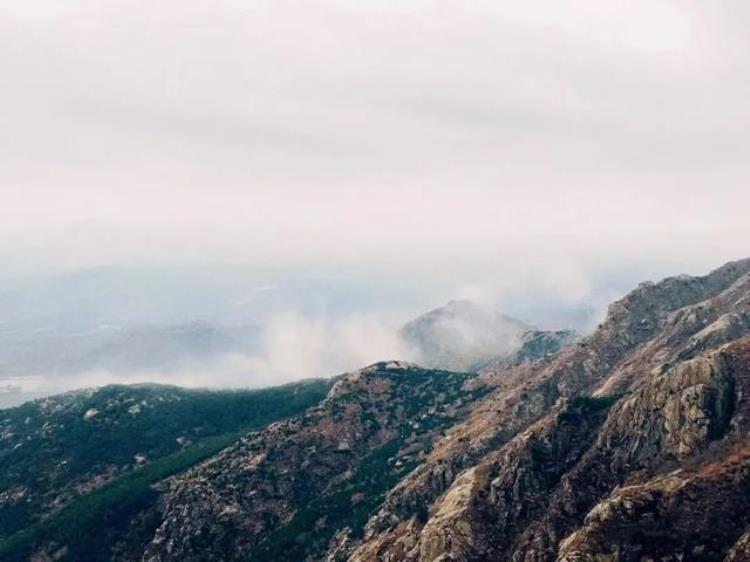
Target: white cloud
column 494, row 144
column 293, row 347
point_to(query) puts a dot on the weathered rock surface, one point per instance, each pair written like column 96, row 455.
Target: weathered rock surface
column 514, row 476
column 257, row 486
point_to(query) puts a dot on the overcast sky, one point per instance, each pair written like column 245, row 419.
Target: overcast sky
column 423, row 138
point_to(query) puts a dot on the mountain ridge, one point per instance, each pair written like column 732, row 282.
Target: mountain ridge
column 631, row 444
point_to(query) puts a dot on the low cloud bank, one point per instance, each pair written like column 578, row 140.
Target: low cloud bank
column 292, row 347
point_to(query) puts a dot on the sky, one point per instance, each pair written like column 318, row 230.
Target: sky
column 410, row 134
column 468, row 148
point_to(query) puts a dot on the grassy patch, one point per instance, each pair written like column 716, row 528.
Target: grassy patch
column 589, row 405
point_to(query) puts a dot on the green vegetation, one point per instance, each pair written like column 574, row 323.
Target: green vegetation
column 589, row 405
column 103, row 512
column 91, row 523
column 352, row 502
column 63, row 444
column 57, row 443
column 313, row 526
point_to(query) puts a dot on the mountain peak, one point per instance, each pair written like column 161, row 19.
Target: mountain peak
column 462, row 335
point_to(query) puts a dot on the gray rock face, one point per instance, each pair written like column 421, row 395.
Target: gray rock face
column 665, row 392
column 239, row 498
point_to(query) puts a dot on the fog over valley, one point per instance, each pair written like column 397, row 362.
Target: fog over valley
column 259, row 192
column 230, row 327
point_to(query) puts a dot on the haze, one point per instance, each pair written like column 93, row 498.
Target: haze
column 418, row 150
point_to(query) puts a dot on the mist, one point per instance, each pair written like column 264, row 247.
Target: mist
column 300, row 179
column 234, row 327
column 291, row 348
column 412, row 137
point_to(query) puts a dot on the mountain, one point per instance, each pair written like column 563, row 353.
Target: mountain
column 282, row 492
column 630, row 445
column 463, row 335
column 62, row 453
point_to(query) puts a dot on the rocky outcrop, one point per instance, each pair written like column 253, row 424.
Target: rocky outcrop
column 655, row 361
column 693, row 514
column 239, row 498
column 518, row 500
column 672, row 420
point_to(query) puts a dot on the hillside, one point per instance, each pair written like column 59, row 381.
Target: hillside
column 611, row 450
column 58, row 450
column 630, row 445
column 591, row 455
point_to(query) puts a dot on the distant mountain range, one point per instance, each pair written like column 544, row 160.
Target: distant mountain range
column 121, row 349
column 159, row 347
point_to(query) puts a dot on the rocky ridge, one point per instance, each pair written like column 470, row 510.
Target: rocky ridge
column 268, row 480
column 656, row 389
column 629, row 445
